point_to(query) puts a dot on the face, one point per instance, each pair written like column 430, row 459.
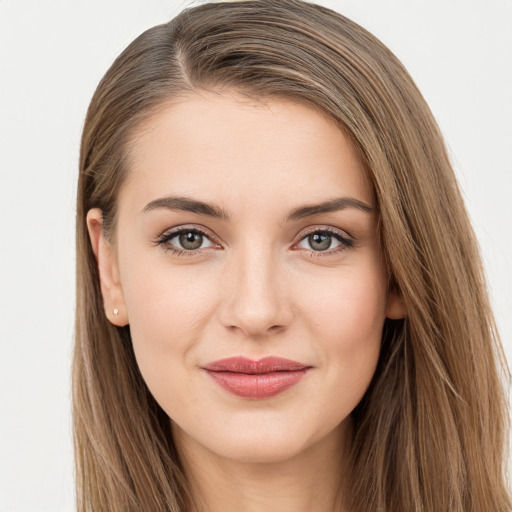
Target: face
column 246, row 261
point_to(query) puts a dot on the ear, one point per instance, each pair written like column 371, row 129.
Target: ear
column 111, row 290
column 395, row 306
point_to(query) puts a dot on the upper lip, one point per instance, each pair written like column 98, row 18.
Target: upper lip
column 250, row 366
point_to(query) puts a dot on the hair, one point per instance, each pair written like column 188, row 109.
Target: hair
column 430, row 432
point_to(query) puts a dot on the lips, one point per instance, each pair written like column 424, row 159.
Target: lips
column 256, row 380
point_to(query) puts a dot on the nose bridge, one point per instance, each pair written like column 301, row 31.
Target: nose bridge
column 255, row 302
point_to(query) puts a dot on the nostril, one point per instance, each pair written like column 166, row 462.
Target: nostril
column 253, row 329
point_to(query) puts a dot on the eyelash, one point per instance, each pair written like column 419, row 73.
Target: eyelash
column 163, row 241
column 346, row 242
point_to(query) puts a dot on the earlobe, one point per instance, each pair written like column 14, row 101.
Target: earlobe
column 395, row 306
column 111, row 289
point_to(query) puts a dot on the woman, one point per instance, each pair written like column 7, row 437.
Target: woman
column 280, row 300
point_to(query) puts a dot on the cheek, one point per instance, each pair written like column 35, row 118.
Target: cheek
column 164, row 298
column 351, row 306
column 167, row 309
column 347, row 320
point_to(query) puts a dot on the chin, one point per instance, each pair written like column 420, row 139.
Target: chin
column 263, row 441
column 261, row 449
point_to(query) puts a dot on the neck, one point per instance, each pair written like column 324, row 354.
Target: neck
column 310, row 481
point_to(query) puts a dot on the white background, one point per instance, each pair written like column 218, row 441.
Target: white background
column 52, row 55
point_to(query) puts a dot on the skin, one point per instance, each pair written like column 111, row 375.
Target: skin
column 257, row 286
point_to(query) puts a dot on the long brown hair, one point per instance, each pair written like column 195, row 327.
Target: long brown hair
column 430, row 431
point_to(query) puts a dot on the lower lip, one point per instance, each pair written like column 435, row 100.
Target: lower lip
column 257, row 386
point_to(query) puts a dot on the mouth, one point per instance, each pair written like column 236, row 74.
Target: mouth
column 256, row 380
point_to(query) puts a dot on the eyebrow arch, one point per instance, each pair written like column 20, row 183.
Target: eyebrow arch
column 188, row 205
column 332, row 205
column 202, row 208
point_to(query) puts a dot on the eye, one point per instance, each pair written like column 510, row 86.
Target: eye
column 325, row 240
column 185, row 240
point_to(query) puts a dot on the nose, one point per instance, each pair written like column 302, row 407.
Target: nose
column 255, row 295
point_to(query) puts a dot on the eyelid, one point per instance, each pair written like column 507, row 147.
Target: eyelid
column 325, row 227
column 346, row 240
column 170, row 233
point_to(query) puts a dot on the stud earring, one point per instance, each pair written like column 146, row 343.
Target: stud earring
column 116, row 312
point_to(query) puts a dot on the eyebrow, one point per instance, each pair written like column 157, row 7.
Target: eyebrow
column 188, row 205
column 202, row 208
column 333, row 205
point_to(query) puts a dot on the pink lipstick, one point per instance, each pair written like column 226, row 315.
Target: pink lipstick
column 257, row 380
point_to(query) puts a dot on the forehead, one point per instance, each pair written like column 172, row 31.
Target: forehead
column 224, row 146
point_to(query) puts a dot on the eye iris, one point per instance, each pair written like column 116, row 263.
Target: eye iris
column 191, row 240
column 320, row 241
